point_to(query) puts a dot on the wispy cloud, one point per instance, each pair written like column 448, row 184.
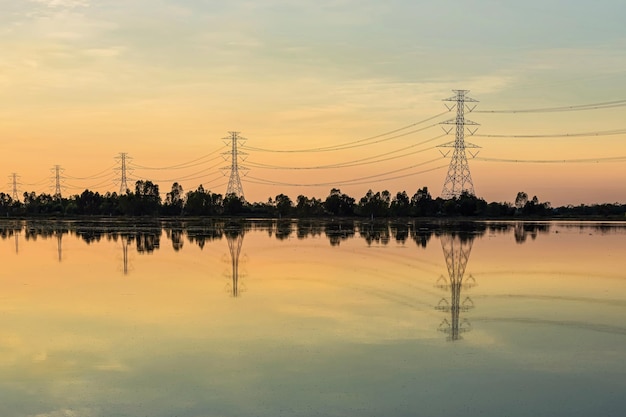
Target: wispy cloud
column 62, row 3
column 66, row 412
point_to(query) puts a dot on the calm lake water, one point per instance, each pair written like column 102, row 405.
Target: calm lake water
column 312, row 319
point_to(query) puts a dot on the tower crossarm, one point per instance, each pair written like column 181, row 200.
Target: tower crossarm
column 453, row 144
column 455, row 121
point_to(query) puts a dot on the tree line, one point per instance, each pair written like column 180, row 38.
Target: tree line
column 145, row 200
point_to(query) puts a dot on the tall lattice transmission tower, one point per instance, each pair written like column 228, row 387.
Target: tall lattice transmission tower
column 234, row 181
column 459, row 178
column 14, row 178
column 56, row 177
column 123, row 159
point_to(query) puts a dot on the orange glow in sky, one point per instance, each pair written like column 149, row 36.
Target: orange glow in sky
column 82, row 81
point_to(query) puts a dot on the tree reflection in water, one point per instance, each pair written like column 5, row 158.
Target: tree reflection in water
column 146, row 234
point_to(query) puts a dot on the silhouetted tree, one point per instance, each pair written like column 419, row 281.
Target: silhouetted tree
column 203, row 203
column 422, row 203
column 88, row 203
column 284, row 205
column 233, row 204
column 521, row 200
column 6, row 204
column 339, row 204
column 374, row 205
column 147, row 199
column 174, row 201
column 470, row 205
column 535, row 208
column 309, row 207
column 400, row 205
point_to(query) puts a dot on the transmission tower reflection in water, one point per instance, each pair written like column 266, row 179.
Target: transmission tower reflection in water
column 456, row 251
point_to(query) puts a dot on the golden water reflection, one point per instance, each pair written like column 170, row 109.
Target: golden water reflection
column 338, row 318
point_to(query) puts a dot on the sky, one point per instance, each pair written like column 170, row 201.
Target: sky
column 165, row 81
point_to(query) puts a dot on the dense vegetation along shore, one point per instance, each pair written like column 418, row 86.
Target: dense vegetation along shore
column 146, row 200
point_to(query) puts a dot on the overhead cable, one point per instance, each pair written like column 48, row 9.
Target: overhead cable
column 559, row 135
column 348, row 182
column 183, row 165
column 352, row 183
column 581, row 107
column 557, row 161
column 98, row 175
column 187, row 177
column 353, row 163
column 356, row 143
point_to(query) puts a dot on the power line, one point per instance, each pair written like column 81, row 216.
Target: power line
column 213, row 180
column 183, row 165
column 593, row 106
column 140, row 167
column 40, row 182
column 96, row 176
column 218, row 185
column 187, row 177
column 356, row 143
column 557, row 161
column 358, row 162
column 354, row 181
column 560, row 135
column 110, row 180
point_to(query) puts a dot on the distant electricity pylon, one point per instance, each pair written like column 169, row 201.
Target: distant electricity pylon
column 123, row 169
column 459, row 178
column 234, row 181
column 14, row 183
column 56, row 173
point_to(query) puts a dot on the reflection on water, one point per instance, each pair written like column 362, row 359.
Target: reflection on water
column 147, row 235
column 339, row 318
column 456, row 251
column 125, row 244
column 234, row 237
column 523, row 230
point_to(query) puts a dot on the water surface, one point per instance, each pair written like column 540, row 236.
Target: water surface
column 312, row 319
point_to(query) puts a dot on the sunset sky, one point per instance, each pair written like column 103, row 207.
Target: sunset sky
column 165, row 80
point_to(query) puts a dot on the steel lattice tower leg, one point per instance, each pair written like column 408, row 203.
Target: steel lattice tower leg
column 234, row 181
column 456, row 252
column 459, row 178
